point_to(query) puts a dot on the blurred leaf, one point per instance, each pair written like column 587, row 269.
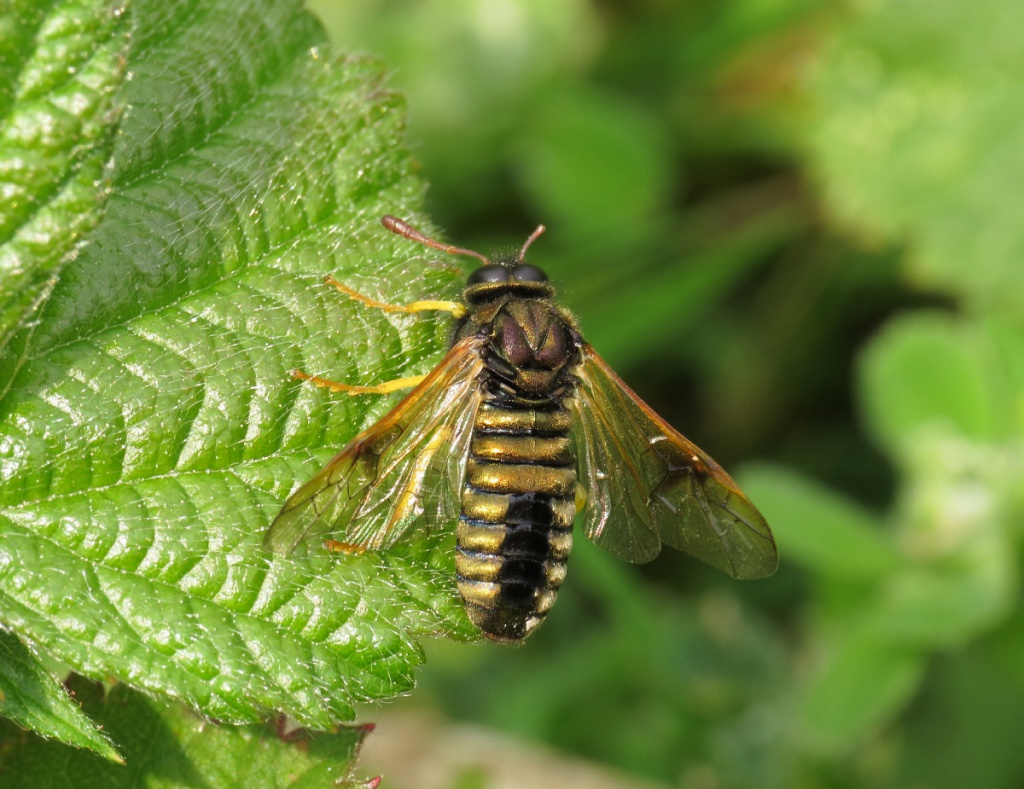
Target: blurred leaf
column 154, row 429
column 591, row 160
column 965, row 725
column 818, row 528
column 931, row 370
column 918, row 137
column 34, row 700
column 931, row 608
column 61, row 66
column 488, row 53
column 1007, row 359
column 864, row 680
column 700, row 64
column 472, row 70
column 639, row 312
column 172, row 747
column 957, row 522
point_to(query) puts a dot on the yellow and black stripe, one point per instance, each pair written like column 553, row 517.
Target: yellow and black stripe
column 518, row 505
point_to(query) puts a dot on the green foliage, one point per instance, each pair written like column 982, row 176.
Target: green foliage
column 60, row 71
column 149, row 427
column 30, row 698
column 918, row 141
column 871, row 354
column 931, row 371
column 822, row 530
column 172, row 747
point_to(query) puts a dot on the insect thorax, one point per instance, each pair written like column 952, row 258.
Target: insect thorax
column 532, row 346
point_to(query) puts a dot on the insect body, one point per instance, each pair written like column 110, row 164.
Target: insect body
column 519, row 423
column 518, row 500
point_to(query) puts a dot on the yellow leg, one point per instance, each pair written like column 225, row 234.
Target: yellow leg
column 350, row 389
column 455, row 308
column 343, row 547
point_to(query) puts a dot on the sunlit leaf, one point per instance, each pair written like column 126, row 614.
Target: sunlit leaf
column 61, row 67
column 154, row 429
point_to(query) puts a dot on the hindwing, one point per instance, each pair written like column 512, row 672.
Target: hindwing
column 647, row 484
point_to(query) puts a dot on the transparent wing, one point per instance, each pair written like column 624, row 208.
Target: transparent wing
column 406, row 470
column 647, row 484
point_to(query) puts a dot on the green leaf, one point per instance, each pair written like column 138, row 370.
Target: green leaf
column 933, row 371
column 863, row 680
column 918, row 137
column 61, row 66
column 173, row 747
column 155, row 430
column 958, row 521
column 1005, row 350
column 33, row 699
column 820, row 529
column 589, row 159
column 944, row 607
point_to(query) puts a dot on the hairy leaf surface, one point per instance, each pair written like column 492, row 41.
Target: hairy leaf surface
column 153, row 430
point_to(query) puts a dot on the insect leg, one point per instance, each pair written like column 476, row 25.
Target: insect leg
column 455, row 308
column 351, row 389
column 343, row 547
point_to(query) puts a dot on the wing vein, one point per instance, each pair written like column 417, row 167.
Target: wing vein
column 381, row 485
column 657, row 486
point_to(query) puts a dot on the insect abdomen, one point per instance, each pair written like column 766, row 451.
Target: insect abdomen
column 518, row 505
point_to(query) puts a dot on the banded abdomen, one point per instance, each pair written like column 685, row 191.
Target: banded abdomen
column 518, row 505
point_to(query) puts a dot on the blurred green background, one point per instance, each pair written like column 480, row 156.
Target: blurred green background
column 794, row 228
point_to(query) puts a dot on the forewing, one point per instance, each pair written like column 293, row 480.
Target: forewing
column 647, row 484
column 405, row 471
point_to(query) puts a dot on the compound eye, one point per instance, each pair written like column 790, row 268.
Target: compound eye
column 528, row 273
column 486, row 274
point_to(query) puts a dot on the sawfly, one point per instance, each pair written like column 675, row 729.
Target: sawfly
column 518, row 430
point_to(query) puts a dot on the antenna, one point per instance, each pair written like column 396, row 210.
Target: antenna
column 404, row 229
column 526, row 245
